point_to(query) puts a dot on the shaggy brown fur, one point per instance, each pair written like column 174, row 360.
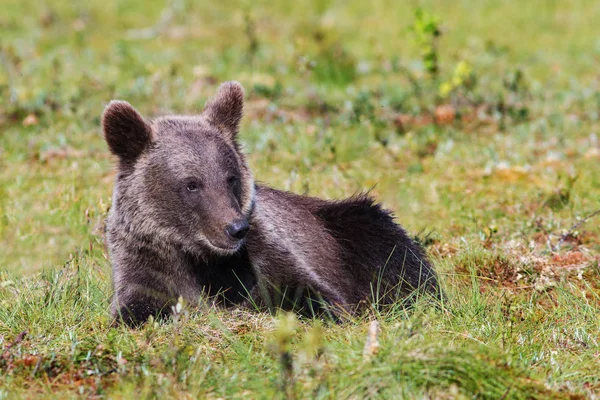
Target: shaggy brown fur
column 188, row 220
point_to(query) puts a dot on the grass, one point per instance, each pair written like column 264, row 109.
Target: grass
column 493, row 175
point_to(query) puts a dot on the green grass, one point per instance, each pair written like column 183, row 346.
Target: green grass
column 338, row 101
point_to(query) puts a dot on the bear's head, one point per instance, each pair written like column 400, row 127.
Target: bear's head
column 183, row 179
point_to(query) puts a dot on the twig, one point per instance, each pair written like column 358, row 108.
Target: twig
column 10, row 73
column 165, row 19
column 411, row 78
column 17, row 340
column 250, row 31
column 372, row 342
column 506, row 393
column 37, row 366
column 464, row 335
column 576, row 226
column 540, row 226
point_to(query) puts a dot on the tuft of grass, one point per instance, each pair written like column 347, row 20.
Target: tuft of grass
column 56, row 336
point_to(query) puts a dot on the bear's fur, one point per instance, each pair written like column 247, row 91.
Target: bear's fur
column 187, row 220
column 346, row 253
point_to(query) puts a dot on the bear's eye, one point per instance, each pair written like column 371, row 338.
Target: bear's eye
column 193, row 187
column 232, row 180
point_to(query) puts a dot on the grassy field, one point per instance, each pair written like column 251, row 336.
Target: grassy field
column 478, row 123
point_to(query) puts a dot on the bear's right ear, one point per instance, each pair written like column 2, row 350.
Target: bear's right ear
column 226, row 108
column 125, row 130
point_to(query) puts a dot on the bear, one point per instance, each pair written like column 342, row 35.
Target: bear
column 188, row 221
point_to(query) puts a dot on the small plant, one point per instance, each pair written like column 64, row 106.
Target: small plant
column 251, row 35
column 335, row 64
column 362, row 107
column 272, row 92
column 426, row 30
column 281, row 347
column 514, row 81
column 462, row 77
column 561, row 195
column 323, row 52
column 512, row 101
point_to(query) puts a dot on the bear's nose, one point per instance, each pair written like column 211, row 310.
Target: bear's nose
column 238, row 229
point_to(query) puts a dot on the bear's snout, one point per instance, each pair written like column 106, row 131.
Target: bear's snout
column 237, row 230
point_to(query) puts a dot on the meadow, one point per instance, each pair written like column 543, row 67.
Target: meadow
column 478, row 123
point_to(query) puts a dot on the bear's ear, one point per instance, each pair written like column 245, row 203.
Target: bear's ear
column 125, row 131
column 226, row 108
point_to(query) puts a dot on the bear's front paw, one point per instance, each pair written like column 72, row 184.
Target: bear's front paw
column 136, row 314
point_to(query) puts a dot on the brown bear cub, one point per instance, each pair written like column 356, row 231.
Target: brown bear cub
column 187, row 220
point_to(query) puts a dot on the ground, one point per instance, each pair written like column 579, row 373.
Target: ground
column 476, row 122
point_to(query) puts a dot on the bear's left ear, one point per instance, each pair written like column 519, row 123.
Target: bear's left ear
column 225, row 110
